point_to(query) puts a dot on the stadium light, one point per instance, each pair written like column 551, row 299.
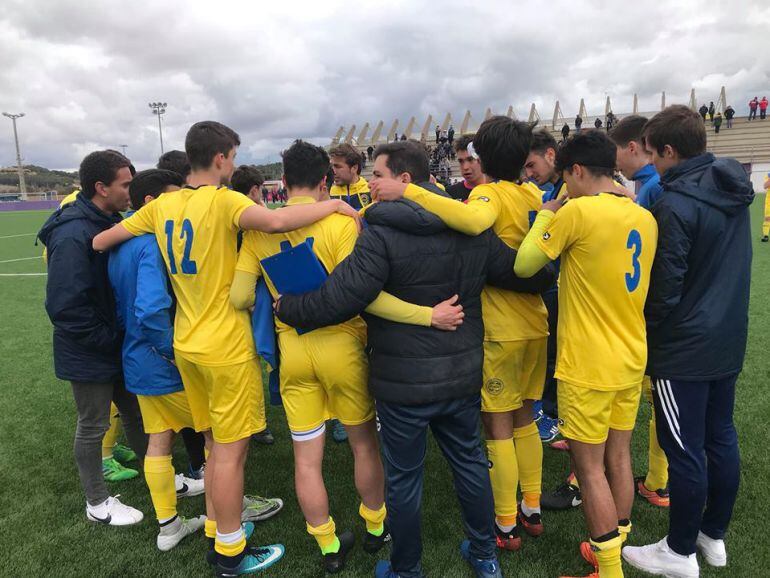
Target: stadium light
column 22, row 182
column 159, row 108
column 123, row 148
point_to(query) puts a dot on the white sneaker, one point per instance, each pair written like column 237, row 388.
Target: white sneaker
column 713, row 550
column 113, row 513
column 187, row 487
column 185, row 528
column 660, row 560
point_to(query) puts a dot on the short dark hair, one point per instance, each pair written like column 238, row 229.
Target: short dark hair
column 349, row 153
column 591, row 149
column 245, row 177
column 207, row 139
column 304, row 164
column 176, row 161
column 100, row 167
column 679, row 127
column 151, row 182
column 406, row 157
column 541, row 141
column 628, row 129
column 503, row 145
column 461, row 144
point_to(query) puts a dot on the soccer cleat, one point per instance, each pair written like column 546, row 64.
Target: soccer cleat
column 113, row 512
column 248, row 530
column 123, row 454
column 373, row 544
column 765, row 238
column 335, row 561
column 532, row 525
column 564, row 497
column 591, row 575
column 560, row 446
column 548, row 428
column 482, row 568
column 257, row 508
column 713, row 550
column 661, row 560
column 188, row 487
column 507, row 540
column 339, row 434
column 589, row 555
column 114, row 471
column 186, row 527
column 265, row 437
column 655, row 497
column 255, row 560
column 384, row 569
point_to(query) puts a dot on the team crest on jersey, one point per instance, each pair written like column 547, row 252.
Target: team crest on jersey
column 485, row 199
column 493, row 386
column 546, row 236
column 365, row 200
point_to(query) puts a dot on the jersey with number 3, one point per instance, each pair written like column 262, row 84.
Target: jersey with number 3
column 607, row 245
column 197, row 231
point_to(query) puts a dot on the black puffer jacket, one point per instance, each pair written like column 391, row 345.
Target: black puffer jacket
column 79, row 300
column 697, row 309
column 410, row 253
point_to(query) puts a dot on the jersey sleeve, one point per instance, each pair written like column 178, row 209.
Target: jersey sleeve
column 563, row 230
column 248, row 259
column 344, row 239
column 471, row 218
column 143, row 221
column 232, row 205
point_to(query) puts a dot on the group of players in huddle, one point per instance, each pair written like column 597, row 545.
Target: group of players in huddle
column 185, row 264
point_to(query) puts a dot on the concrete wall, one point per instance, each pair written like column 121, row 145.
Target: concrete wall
column 759, row 173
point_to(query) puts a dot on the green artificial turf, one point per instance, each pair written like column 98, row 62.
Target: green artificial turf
column 44, row 532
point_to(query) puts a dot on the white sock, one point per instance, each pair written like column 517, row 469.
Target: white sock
column 527, row 511
column 170, row 525
column 231, row 538
column 505, row 529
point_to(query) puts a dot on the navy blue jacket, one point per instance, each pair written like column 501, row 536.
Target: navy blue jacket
column 144, row 306
column 697, row 307
column 79, row 301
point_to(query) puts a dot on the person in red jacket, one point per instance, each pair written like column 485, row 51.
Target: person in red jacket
column 753, row 104
column 763, row 108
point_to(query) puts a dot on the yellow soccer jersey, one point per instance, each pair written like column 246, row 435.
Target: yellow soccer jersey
column 197, row 231
column 356, row 195
column 69, row 199
column 333, row 240
column 607, row 245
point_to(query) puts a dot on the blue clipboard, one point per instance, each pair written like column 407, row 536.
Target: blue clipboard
column 295, row 270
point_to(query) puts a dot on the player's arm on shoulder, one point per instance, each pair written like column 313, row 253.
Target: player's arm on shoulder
column 152, row 305
column 294, row 217
column 141, row 222
column 247, row 272
column 501, row 273
column 471, row 218
column 531, row 258
column 350, row 288
column 670, row 265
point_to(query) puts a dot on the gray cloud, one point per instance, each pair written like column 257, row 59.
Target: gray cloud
column 85, row 71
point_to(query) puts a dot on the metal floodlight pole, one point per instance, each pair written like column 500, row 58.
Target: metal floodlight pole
column 123, row 148
column 20, row 167
column 159, row 108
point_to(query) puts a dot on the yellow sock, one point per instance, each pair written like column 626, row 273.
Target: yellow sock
column 529, row 456
column 766, row 222
column 608, row 557
column 159, row 473
column 209, row 526
column 657, row 474
column 111, row 437
column 230, row 544
column 374, row 519
column 504, row 474
column 326, row 536
column 624, row 529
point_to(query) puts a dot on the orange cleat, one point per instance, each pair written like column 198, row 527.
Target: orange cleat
column 533, row 525
column 588, row 555
column 508, row 540
column 591, row 575
column 658, row 498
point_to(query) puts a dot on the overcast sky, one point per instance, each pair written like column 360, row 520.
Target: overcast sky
column 84, row 71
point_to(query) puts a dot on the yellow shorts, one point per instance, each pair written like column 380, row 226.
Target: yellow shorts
column 227, row 399
column 324, row 374
column 513, row 371
column 164, row 412
column 647, row 388
column 587, row 415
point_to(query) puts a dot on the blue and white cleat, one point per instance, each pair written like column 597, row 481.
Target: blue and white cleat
column 256, row 559
column 482, row 568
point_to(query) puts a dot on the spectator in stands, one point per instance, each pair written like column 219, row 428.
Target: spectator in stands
column 264, row 195
column 395, row 136
column 451, row 134
column 87, row 339
column 438, row 133
column 610, row 121
column 470, row 168
column 578, row 123
column 763, row 108
column 712, row 110
column 717, row 122
column 248, row 180
column 403, row 136
column 369, row 152
column 565, row 131
column 175, row 161
column 753, row 105
column 363, row 160
column 598, row 123
column 729, row 114
column 703, row 111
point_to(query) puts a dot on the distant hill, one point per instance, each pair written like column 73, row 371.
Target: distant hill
column 39, row 179
column 272, row 171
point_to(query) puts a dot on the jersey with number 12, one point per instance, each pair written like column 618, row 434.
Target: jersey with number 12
column 607, row 244
column 196, row 230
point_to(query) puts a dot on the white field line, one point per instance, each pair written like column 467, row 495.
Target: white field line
column 22, row 259
column 22, row 235
column 23, row 274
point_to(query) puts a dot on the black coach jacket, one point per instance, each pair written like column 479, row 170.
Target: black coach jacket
column 410, row 253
